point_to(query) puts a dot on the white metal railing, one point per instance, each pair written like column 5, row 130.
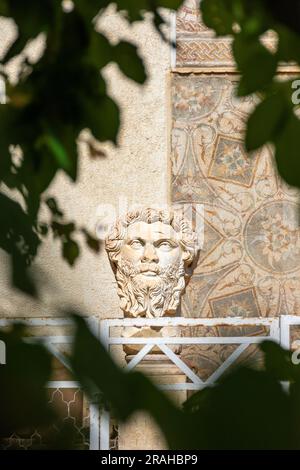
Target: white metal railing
column 286, row 321
column 196, row 383
column 278, row 330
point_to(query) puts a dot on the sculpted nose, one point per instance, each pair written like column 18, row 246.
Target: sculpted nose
column 149, row 254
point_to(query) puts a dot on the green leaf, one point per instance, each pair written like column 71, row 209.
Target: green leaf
column 57, row 150
column 101, row 116
column 30, row 25
column 217, row 15
column 257, row 65
column 4, row 9
column 126, row 56
column 253, row 26
column 252, row 17
column 134, row 10
column 24, row 396
column 287, row 13
column 36, row 172
column 91, row 8
column 265, row 121
column 287, row 153
column 171, row 4
column 16, row 48
column 288, row 45
column 278, row 362
column 137, row 392
column 100, row 50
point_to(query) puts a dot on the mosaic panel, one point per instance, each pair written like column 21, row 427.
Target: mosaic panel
column 197, row 46
column 250, row 263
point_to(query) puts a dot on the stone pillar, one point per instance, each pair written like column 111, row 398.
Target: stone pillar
column 141, row 431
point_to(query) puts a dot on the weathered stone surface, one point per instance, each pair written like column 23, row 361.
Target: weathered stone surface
column 141, row 431
column 136, row 171
column 152, row 253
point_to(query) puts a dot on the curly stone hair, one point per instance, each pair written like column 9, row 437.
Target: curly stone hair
column 188, row 237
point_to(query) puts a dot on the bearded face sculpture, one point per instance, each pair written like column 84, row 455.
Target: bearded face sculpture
column 152, row 254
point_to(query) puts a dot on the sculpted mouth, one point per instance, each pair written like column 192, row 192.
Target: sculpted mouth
column 149, row 270
column 149, row 273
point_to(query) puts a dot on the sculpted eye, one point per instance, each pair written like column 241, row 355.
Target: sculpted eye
column 166, row 245
column 136, row 244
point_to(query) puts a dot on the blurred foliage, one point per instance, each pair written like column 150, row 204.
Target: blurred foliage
column 56, row 97
column 275, row 119
column 24, row 400
column 246, row 409
column 23, row 396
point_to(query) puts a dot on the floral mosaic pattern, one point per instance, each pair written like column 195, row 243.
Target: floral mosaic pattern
column 231, row 163
column 250, row 262
column 272, row 237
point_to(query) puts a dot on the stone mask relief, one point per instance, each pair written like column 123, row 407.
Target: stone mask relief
column 152, row 253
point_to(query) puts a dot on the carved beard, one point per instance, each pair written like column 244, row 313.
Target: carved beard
column 149, row 296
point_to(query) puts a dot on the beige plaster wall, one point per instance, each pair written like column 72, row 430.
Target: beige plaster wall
column 136, row 172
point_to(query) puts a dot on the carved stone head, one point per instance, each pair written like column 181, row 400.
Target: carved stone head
column 152, row 253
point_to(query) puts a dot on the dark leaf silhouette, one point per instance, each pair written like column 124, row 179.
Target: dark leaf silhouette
column 23, row 395
column 274, row 120
column 54, row 99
